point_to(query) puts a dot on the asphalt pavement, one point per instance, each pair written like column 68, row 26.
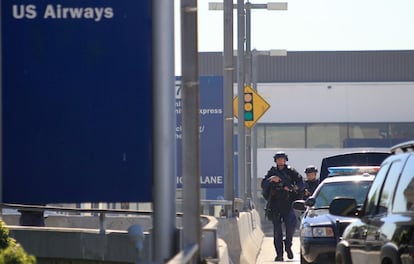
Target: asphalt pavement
column 267, row 252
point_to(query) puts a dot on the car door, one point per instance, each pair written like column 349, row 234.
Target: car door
column 403, row 217
column 375, row 237
column 358, row 234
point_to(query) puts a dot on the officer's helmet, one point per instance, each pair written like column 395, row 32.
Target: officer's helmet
column 280, row 154
column 310, row 169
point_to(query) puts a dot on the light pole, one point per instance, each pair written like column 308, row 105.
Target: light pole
column 255, row 54
column 191, row 123
column 248, row 80
column 228, row 94
column 244, row 76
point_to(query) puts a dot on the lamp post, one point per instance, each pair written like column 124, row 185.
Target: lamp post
column 228, row 94
column 255, row 54
column 244, row 76
column 248, row 80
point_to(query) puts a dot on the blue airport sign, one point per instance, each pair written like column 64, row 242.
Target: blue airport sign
column 211, row 132
column 76, row 101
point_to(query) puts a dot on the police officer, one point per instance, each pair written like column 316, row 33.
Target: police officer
column 311, row 181
column 281, row 186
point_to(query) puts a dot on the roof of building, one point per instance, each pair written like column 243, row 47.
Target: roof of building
column 323, row 66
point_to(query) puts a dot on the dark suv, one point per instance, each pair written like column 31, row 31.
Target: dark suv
column 384, row 230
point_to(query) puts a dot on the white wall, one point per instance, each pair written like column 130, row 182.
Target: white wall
column 300, row 158
column 337, row 102
column 330, row 102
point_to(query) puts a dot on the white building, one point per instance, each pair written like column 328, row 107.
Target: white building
column 329, row 102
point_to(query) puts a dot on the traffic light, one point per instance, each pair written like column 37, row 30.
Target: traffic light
column 248, row 107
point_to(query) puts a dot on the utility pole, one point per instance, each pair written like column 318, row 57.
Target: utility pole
column 191, row 127
column 248, row 80
column 228, row 95
column 240, row 92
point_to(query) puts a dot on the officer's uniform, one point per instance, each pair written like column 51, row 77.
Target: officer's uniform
column 281, row 205
column 310, row 186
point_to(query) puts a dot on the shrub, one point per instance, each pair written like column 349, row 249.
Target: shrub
column 12, row 252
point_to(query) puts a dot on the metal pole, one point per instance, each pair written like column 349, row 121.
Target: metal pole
column 248, row 81
column 240, row 92
column 164, row 147
column 228, row 94
column 254, row 132
column 190, row 123
column 1, row 114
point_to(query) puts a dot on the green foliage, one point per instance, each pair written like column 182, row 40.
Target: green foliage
column 4, row 236
column 12, row 252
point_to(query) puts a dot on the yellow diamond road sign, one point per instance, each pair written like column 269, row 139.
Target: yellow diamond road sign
column 253, row 109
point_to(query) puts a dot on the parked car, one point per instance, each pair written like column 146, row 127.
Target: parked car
column 384, row 229
column 319, row 230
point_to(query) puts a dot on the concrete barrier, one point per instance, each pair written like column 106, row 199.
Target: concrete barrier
column 243, row 236
column 223, row 252
column 232, row 240
column 79, row 240
column 60, row 245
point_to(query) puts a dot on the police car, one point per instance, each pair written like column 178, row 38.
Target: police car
column 319, row 230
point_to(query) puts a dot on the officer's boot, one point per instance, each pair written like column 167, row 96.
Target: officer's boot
column 288, row 249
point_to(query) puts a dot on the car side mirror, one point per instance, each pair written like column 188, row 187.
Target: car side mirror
column 310, row 201
column 299, row 205
column 343, row 206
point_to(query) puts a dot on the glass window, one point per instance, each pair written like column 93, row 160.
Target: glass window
column 389, row 186
column 402, row 130
column 285, row 136
column 329, row 191
column 404, row 195
column 332, row 135
column 260, row 134
column 375, row 190
column 326, row 135
column 371, row 130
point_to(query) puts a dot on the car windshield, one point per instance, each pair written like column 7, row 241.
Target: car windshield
column 354, row 189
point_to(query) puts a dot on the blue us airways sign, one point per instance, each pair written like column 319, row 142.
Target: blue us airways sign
column 211, row 132
column 77, row 101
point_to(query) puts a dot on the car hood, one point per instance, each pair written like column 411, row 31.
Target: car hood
column 322, row 217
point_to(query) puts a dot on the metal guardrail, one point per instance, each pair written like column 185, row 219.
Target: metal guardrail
column 228, row 208
column 186, row 255
column 102, row 213
column 206, row 206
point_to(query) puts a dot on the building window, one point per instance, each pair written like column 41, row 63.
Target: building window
column 333, row 135
column 284, row 136
column 401, row 131
column 260, row 134
column 368, row 130
column 326, row 135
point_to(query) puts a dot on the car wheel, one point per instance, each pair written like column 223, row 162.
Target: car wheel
column 389, row 255
column 302, row 260
column 342, row 255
